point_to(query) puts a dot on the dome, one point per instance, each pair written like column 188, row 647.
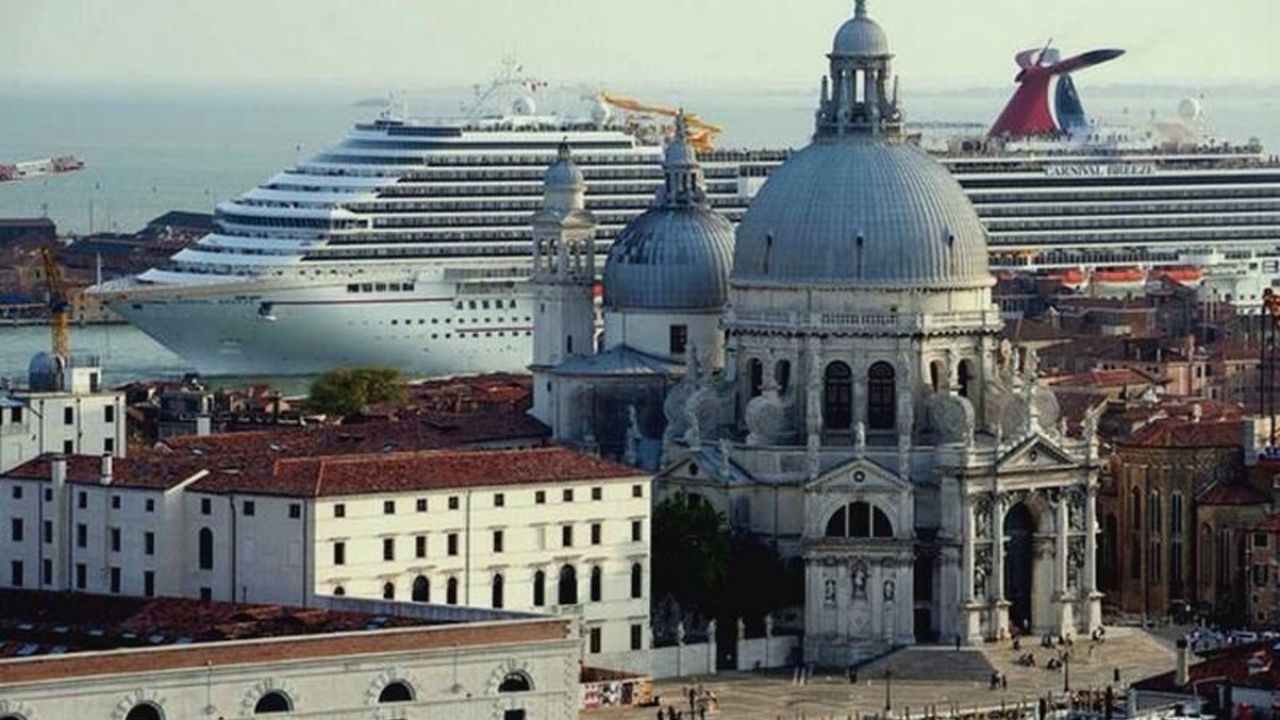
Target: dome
column 563, row 173
column 670, row 258
column 860, row 36
column 679, row 153
column 862, row 211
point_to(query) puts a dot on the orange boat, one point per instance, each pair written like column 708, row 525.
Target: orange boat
column 1183, row 275
column 1120, row 276
column 1072, row 279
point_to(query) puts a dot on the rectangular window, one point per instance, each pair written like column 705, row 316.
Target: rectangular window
column 82, row 535
column 596, row 640
column 149, row 583
column 388, row 548
column 453, row 544
column 295, row 511
column 48, row 495
column 68, row 447
column 17, row 492
column 566, row 536
column 47, row 572
column 388, row 507
column 82, row 576
column 567, row 495
column 151, row 506
column 15, row 573
column 115, row 579
column 499, row 500
column 339, row 553
column 82, row 500
column 453, row 502
column 250, row 507
column 679, row 339
column 596, row 532
column 637, row 637
column 149, row 543
column 422, row 504
column 540, row 497
column 420, row 546
column 206, row 506
column 17, row 415
column 48, row 531
column 109, row 413
column 637, row 531
column 115, row 539
column 108, row 445
column 115, row 502
column 206, row 594
column 68, row 416
column 497, row 541
column 597, row 493
column 339, row 510
column 16, row 529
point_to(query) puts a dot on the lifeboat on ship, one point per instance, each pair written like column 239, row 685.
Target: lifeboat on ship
column 1119, row 281
column 1186, row 276
column 1072, row 279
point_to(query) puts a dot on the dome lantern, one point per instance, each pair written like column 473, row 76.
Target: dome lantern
column 855, row 98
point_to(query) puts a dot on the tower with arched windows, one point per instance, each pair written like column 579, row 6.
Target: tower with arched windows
column 868, row 421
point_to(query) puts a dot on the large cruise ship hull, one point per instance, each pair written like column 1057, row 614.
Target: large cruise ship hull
column 311, row 330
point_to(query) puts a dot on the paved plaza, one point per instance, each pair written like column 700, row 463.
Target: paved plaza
column 922, row 676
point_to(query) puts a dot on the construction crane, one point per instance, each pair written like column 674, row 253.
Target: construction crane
column 59, row 304
column 702, row 134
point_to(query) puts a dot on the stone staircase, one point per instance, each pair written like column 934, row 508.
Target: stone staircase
column 931, row 663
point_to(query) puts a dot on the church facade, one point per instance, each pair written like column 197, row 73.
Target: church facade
column 859, row 410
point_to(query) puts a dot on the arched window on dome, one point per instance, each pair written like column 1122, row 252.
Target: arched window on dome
column 782, row 375
column 837, row 397
column 756, row 370
column 964, row 375
column 881, row 397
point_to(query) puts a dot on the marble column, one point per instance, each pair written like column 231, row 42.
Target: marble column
column 1093, row 598
column 971, row 610
column 1066, row 622
column 1000, row 620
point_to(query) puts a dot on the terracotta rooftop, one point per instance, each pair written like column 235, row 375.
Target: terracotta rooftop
column 1232, row 493
column 57, row 636
column 1121, row 377
column 149, row 472
column 1176, row 432
column 410, row 471
column 1256, row 665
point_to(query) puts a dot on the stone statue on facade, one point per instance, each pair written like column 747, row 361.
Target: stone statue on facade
column 632, row 453
column 859, row 439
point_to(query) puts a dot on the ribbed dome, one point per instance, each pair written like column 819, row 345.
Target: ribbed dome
column 670, row 258
column 564, row 173
column 917, row 227
column 861, row 36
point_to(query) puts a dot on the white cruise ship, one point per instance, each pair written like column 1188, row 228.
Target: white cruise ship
column 407, row 244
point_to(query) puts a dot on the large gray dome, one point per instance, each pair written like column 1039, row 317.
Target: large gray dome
column 860, row 36
column 670, row 258
column 862, row 211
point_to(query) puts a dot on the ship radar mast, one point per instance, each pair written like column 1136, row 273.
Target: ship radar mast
column 510, row 79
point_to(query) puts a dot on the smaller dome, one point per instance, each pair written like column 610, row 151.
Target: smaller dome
column 44, row 372
column 670, row 258
column 860, row 36
column 563, row 173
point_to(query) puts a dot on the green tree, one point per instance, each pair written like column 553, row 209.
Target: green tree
column 346, row 391
column 690, row 552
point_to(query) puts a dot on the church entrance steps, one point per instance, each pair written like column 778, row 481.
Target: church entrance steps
column 931, row 662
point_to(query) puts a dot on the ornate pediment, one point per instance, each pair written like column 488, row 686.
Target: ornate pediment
column 1037, row 452
column 858, row 474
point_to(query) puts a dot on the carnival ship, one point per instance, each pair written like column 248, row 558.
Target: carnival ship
column 408, row 243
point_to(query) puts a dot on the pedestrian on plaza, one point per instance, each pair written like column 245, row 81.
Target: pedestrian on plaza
column 957, row 642
column 1004, row 681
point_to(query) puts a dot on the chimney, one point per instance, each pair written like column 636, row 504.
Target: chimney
column 204, row 425
column 105, row 477
column 58, row 472
column 1183, row 673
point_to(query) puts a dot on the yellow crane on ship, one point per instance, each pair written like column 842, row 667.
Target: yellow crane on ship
column 59, row 304
column 702, row 134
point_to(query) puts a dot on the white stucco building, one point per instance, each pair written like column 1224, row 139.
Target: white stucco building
column 63, row 409
column 169, row 659
column 545, row 530
column 856, row 407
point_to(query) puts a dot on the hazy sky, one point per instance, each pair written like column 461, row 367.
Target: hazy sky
column 734, row 44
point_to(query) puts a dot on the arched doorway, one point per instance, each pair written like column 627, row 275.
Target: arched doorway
column 1019, row 560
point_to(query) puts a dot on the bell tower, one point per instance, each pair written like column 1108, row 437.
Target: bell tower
column 564, row 273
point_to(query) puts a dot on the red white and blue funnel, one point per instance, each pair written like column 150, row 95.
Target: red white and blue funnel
column 1031, row 111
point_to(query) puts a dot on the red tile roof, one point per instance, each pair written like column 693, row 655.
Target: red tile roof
column 415, row 471
column 1106, row 378
column 1179, row 433
column 1256, row 665
column 148, row 471
column 1233, row 493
